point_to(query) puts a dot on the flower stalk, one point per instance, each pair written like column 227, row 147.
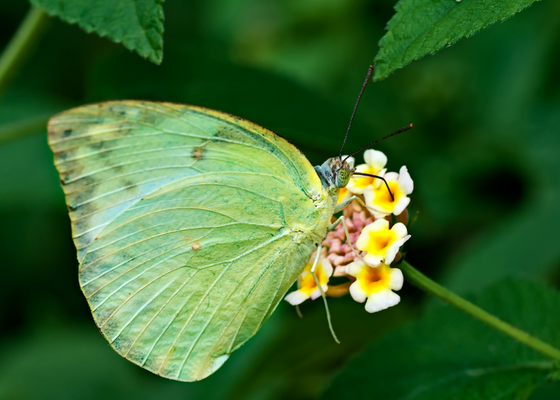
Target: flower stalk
column 423, row 282
column 20, row 44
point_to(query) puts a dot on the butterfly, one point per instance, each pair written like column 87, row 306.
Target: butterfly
column 190, row 226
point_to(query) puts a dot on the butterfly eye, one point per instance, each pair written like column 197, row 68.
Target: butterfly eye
column 342, row 178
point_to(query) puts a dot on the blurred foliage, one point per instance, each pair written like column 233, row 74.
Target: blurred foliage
column 483, row 155
column 461, row 358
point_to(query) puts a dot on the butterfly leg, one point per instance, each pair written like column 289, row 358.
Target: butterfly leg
column 342, row 220
column 323, row 295
column 341, row 206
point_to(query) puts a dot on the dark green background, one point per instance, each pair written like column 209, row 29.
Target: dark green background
column 484, row 156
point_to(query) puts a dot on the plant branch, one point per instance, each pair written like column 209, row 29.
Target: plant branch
column 20, row 44
column 29, row 126
column 423, row 282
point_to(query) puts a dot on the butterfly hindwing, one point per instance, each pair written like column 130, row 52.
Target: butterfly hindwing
column 190, row 226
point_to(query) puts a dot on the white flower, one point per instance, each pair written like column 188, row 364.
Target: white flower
column 380, row 243
column 379, row 200
column 376, row 284
column 375, row 162
column 307, row 287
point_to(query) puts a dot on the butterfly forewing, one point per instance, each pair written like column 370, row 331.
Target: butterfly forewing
column 190, row 226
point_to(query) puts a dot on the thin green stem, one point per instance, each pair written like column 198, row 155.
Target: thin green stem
column 20, row 44
column 20, row 129
column 423, row 282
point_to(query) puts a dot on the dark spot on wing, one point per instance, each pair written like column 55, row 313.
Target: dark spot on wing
column 88, row 180
column 96, row 145
column 128, row 184
column 67, row 132
column 197, row 153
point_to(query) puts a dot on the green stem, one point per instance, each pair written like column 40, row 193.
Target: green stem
column 20, row 44
column 21, row 129
column 423, row 282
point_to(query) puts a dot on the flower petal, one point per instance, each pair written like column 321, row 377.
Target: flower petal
column 401, row 204
column 381, row 300
column 390, row 254
column 375, row 260
column 317, row 293
column 355, row 268
column 378, row 182
column 405, row 181
column 397, row 279
column 400, row 230
column 357, row 293
column 376, row 226
column 295, row 298
column 369, row 195
column 391, row 176
column 375, row 159
column 327, row 267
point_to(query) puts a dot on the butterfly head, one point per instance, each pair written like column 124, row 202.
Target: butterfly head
column 335, row 173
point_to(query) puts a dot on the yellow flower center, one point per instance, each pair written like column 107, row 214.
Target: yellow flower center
column 379, row 241
column 307, row 284
column 364, row 181
column 375, row 279
column 341, row 194
column 383, row 197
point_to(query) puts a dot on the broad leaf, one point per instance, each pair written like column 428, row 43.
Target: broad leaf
column 448, row 354
column 137, row 24
column 422, row 27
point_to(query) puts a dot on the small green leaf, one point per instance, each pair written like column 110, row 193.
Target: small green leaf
column 449, row 355
column 137, row 24
column 422, row 27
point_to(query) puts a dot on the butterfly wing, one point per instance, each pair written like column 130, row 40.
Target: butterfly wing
column 190, row 226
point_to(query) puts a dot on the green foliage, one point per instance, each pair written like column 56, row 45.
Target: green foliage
column 422, row 27
column 137, row 24
column 497, row 253
column 447, row 354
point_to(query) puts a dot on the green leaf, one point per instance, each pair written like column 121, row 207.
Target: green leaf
column 423, row 27
column 555, row 375
column 137, row 24
column 447, row 354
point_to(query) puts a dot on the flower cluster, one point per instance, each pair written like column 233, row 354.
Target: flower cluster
column 376, row 225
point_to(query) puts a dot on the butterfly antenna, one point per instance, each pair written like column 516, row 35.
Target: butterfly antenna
column 378, row 177
column 406, row 128
column 368, row 76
